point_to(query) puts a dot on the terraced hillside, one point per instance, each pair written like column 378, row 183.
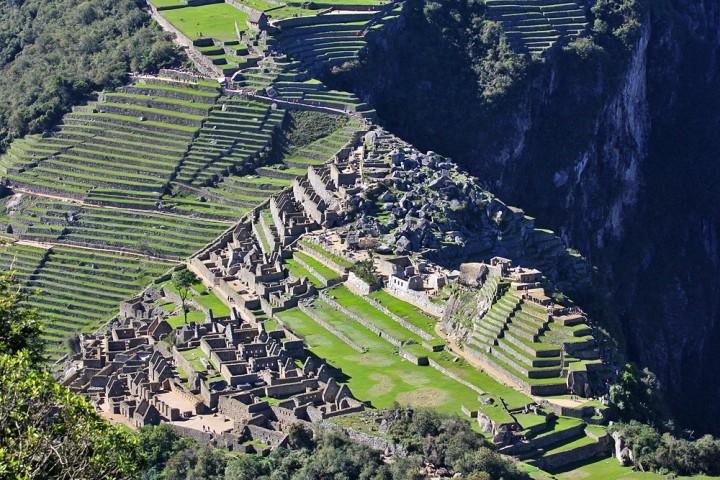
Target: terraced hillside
column 236, row 137
column 361, row 336
column 332, row 39
column 128, row 144
column 150, row 172
column 536, row 25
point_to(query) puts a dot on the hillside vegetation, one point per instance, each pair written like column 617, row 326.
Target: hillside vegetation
column 54, row 53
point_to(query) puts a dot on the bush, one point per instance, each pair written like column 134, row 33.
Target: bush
column 365, row 271
column 636, row 395
column 619, row 19
column 668, row 454
column 308, row 126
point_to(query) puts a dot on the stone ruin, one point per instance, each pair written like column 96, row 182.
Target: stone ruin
column 243, row 385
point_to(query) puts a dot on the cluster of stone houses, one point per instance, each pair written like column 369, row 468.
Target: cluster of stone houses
column 226, row 381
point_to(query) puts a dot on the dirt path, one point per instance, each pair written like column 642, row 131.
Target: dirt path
column 47, row 246
column 111, row 207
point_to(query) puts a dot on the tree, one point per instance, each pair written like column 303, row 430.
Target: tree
column 53, row 54
column 183, row 281
column 636, row 395
column 197, row 463
column 20, row 326
column 158, row 444
column 299, row 436
column 365, row 271
column 245, row 467
column 48, row 432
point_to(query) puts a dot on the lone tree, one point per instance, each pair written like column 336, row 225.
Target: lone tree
column 182, row 281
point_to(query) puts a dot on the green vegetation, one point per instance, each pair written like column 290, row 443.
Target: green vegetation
column 52, row 54
column 379, row 376
column 48, row 431
column 336, row 259
column 621, row 19
column 308, row 126
column 365, row 271
column 19, row 325
column 406, row 311
column 667, row 454
column 66, row 277
column 447, row 441
column 635, row 395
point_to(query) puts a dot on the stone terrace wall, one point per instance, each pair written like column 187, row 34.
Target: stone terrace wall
column 418, row 299
column 360, row 320
column 421, row 333
column 307, row 311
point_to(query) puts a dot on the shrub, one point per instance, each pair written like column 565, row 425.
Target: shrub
column 365, row 271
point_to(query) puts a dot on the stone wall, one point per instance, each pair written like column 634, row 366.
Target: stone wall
column 322, row 19
column 358, row 286
column 419, row 299
column 360, row 320
column 455, row 377
column 421, row 333
column 371, row 441
column 307, row 311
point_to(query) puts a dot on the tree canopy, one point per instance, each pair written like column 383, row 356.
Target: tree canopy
column 19, row 325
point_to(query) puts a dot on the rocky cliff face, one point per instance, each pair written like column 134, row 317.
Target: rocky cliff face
column 618, row 155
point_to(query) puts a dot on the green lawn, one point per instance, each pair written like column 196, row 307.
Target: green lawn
column 379, row 376
column 166, row 3
column 609, row 469
column 408, row 312
column 193, row 316
column 321, row 269
column 211, row 301
column 193, row 356
column 216, row 21
column 337, row 259
column 360, row 307
column 299, row 271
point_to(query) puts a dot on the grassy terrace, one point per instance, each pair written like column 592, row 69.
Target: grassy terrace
column 535, row 26
column 336, row 259
column 320, row 268
column 379, row 376
column 407, row 311
column 204, row 297
column 360, row 307
column 232, row 140
column 322, row 150
column 22, row 259
column 298, row 271
column 79, row 289
column 144, row 232
column 129, row 144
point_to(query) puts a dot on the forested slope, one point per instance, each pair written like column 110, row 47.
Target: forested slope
column 54, row 53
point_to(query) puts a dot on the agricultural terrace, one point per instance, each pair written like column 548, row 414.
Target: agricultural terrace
column 79, row 289
column 535, row 26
